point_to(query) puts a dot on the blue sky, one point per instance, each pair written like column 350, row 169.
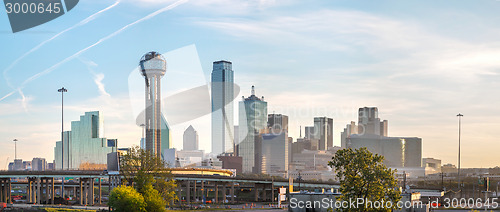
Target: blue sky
column 419, row 62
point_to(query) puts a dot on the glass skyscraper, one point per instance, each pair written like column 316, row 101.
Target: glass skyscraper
column 84, row 145
column 252, row 121
column 222, row 91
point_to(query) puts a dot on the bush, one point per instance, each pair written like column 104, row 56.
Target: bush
column 126, row 198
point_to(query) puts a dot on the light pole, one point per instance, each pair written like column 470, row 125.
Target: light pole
column 299, row 178
column 15, row 149
column 62, row 91
column 459, row 134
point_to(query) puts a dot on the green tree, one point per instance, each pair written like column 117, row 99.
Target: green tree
column 126, row 198
column 363, row 175
column 142, row 169
column 154, row 202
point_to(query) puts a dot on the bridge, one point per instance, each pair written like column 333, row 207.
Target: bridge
column 194, row 184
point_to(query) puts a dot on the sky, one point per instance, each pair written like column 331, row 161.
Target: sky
column 420, row 62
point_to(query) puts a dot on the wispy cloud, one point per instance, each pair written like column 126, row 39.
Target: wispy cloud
column 55, row 66
column 98, row 77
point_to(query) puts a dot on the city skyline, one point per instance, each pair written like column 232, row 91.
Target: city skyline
column 310, row 60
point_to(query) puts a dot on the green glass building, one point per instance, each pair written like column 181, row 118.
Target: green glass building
column 85, row 146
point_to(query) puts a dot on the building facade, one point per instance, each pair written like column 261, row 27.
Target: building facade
column 252, row 121
column 222, row 89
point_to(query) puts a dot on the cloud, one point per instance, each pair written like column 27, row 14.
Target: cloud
column 419, row 78
column 98, row 77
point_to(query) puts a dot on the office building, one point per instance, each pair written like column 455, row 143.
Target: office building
column 143, row 143
column 397, row 151
column 309, row 132
column 369, row 122
column 231, row 162
column 313, row 160
column 50, row 166
column 165, row 136
column 38, row 164
column 277, row 123
column 432, row 165
column 190, row 139
column 153, row 66
column 323, row 131
column 190, row 157
column 236, row 139
column 85, row 146
column 349, row 130
column 252, row 121
column 222, row 89
column 271, row 154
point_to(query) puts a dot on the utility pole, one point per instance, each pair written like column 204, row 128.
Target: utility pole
column 459, row 134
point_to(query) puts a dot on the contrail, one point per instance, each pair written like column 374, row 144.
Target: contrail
column 9, row 94
column 48, row 70
column 81, row 23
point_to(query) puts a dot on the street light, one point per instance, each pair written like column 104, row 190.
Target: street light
column 459, row 134
column 62, row 91
column 15, row 149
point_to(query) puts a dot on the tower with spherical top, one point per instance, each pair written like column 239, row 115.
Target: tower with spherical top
column 153, row 66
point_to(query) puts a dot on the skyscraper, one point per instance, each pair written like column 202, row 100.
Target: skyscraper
column 309, row 132
column 323, row 130
column 153, row 67
column 349, row 130
column 222, row 89
column 190, row 139
column 277, row 123
column 38, row 164
column 273, row 155
column 252, row 121
column 369, row 122
column 85, row 144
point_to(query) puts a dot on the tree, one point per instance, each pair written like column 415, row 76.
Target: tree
column 142, row 169
column 126, row 198
column 154, row 202
column 363, row 175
